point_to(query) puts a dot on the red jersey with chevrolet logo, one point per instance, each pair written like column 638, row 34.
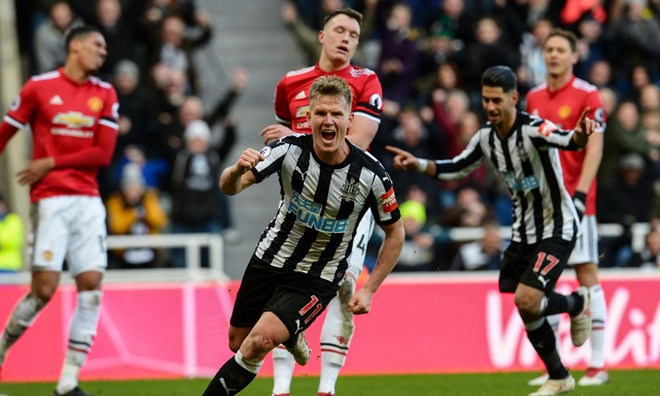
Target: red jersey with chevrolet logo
column 74, row 123
column 292, row 95
column 564, row 107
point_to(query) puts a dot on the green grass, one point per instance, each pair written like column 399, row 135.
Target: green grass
column 622, row 383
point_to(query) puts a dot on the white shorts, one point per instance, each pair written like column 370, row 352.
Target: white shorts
column 586, row 246
column 359, row 248
column 71, row 227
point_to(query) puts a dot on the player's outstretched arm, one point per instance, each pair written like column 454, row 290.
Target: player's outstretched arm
column 404, row 160
column 274, row 132
column 238, row 177
column 584, row 128
column 388, row 256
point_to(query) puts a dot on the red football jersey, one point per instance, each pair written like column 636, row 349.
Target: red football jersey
column 74, row 123
column 292, row 95
column 564, row 107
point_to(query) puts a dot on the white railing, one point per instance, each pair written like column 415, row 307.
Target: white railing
column 638, row 232
column 193, row 271
column 192, row 243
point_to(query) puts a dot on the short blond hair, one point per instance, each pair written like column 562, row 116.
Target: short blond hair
column 331, row 86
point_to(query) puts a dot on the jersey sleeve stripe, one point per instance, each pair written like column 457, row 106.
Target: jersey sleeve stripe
column 367, row 115
column 14, row 122
column 282, row 121
column 109, row 122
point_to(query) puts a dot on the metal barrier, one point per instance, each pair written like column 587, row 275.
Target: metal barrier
column 637, row 230
column 216, row 271
column 193, row 272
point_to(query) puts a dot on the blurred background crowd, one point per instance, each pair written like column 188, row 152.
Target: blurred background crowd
column 428, row 54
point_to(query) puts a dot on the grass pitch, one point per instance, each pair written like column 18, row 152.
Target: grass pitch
column 622, row 383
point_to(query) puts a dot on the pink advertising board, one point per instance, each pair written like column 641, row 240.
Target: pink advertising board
column 418, row 324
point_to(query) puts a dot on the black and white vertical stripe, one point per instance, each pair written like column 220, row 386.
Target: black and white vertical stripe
column 528, row 162
column 320, row 206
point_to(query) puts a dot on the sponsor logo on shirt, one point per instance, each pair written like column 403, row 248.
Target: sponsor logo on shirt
column 73, row 119
column 389, row 201
column 308, row 213
column 302, row 111
column 300, row 95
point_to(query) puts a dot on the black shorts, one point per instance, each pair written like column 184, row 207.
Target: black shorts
column 538, row 265
column 296, row 298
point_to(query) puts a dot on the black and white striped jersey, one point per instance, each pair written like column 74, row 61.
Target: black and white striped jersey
column 321, row 206
column 528, row 162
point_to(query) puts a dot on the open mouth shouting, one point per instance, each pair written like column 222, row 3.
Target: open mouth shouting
column 328, row 135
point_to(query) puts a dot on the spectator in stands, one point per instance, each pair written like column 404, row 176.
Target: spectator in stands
column 192, row 109
column 195, row 191
column 649, row 257
column 626, row 201
column 405, row 128
column 488, row 49
column 635, row 36
column 11, row 239
column 434, row 88
column 119, row 34
column 624, row 134
column 399, row 55
column 137, row 124
column 419, row 245
column 609, row 98
column 649, row 98
column 468, row 211
column 135, row 210
column 600, row 74
column 174, row 50
column 448, row 32
column 532, row 70
column 590, row 46
column 484, row 254
column 50, row 35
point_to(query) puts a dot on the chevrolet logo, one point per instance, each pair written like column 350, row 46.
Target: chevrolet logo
column 73, row 119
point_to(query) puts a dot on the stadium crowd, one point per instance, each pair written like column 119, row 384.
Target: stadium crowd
column 428, row 55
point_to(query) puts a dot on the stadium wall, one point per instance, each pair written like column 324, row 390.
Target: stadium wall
column 419, row 324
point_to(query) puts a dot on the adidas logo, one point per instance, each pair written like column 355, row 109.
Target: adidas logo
column 56, row 100
column 301, row 95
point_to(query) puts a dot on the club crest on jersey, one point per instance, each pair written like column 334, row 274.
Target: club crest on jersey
column 95, row 104
column 302, row 111
column 565, row 112
column 350, row 189
column 388, row 201
column 73, row 119
column 546, row 128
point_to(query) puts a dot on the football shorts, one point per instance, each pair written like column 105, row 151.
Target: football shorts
column 586, row 246
column 71, row 227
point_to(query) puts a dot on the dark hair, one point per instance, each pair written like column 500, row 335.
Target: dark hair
column 500, row 76
column 349, row 12
column 78, row 33
column 568, row 35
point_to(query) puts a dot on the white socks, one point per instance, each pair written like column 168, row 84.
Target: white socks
column 598, row 310
column 22, row 317
column 283, row 365
column 81, row 336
